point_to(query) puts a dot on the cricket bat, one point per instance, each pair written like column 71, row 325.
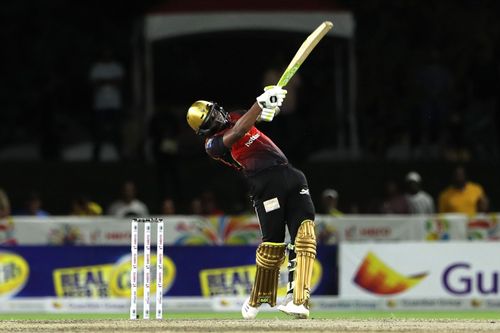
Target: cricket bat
column 305, row 49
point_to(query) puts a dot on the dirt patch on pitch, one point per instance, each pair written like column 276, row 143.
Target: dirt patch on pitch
column 258, row 326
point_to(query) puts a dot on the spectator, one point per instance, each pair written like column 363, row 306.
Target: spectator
column 419, row 201
column 106, row 76
column 128, row 204
column 394, row 202
column 168, row 207
column 329, row 199
column 33, row 206
column 82, row 206
column 462, row 196
column 196, row 207
column 6, row 222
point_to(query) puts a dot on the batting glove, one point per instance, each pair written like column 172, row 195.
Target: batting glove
column 268, row 114
column 272, row 97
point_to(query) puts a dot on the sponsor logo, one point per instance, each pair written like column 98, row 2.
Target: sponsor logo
column 304, row 191
column 271, row 204
column 65, row 235
column 119, row 284
column 109, row 280
column 14, row 273
column 461, row 279
column 483, row 227
column 378, row 278
column 252, row 139
column 354, row 232
column 238, row 280
column 437, row 229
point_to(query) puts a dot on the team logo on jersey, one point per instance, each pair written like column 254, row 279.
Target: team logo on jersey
column 252, row 139
column 304, row 191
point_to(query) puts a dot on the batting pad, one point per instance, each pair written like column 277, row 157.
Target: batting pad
column 305, row 248
column 269, row 258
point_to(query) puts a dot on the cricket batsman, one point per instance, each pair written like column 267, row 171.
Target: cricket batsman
column 279, row 193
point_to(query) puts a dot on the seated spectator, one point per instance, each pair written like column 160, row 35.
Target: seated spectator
column 82, row 206
column 168, row 207
column 420, row 202
column 33, row 206
column 394, row 202
column 6, row 222
column 329, row 199
column 462, row 196
column 128, row 204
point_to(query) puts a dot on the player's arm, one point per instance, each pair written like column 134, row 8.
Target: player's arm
column 266, row 103
column 242, row 126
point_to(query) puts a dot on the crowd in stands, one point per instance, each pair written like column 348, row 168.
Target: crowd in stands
column 127, row 204
column 460, row 196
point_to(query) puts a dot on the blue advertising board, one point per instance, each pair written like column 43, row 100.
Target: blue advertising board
column 104, row 271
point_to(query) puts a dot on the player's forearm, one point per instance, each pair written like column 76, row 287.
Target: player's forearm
column 246, row 122
column 242, row 126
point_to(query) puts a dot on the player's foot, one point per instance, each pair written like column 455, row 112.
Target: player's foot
column 247, row 311
column 291, row 309
column 288, row 298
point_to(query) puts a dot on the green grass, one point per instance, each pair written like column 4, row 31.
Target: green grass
column 479, row 315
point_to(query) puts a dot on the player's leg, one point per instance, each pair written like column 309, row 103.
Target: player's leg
column 269, row 258
column 267, row 193
column 300, row 222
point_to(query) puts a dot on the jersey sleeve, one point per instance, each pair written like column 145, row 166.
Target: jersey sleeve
column 215, row 147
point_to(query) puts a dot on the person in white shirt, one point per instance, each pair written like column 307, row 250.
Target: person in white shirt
column 420, row 202
column 128, row 205
column 106, row 76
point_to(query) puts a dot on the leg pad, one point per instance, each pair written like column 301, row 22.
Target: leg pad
column 269, row 258
column 305, row 248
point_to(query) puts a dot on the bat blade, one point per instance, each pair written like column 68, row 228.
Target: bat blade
column 303, row 52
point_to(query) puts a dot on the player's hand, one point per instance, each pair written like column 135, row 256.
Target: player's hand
column 268, row 114
column 273, row 96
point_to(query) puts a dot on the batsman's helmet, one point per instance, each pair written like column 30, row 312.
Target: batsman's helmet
column 207, row 118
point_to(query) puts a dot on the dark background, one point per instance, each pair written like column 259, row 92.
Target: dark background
column 45, row 98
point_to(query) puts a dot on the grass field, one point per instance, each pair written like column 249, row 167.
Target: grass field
column 408, row 322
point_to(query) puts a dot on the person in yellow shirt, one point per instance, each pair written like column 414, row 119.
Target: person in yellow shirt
column 82, row 206
column 462, row 196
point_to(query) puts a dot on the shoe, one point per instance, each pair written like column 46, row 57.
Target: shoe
column 288, row 298
column 247, row 311
column 298, row 311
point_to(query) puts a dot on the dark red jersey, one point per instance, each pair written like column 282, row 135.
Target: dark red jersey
column 254, row 152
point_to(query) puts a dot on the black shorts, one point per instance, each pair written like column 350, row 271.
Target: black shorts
column 281, row 199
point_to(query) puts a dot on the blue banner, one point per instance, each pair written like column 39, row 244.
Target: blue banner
column 104, row 271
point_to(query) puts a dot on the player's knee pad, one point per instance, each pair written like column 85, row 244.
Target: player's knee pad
column 269, row 258
column 305, row 249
